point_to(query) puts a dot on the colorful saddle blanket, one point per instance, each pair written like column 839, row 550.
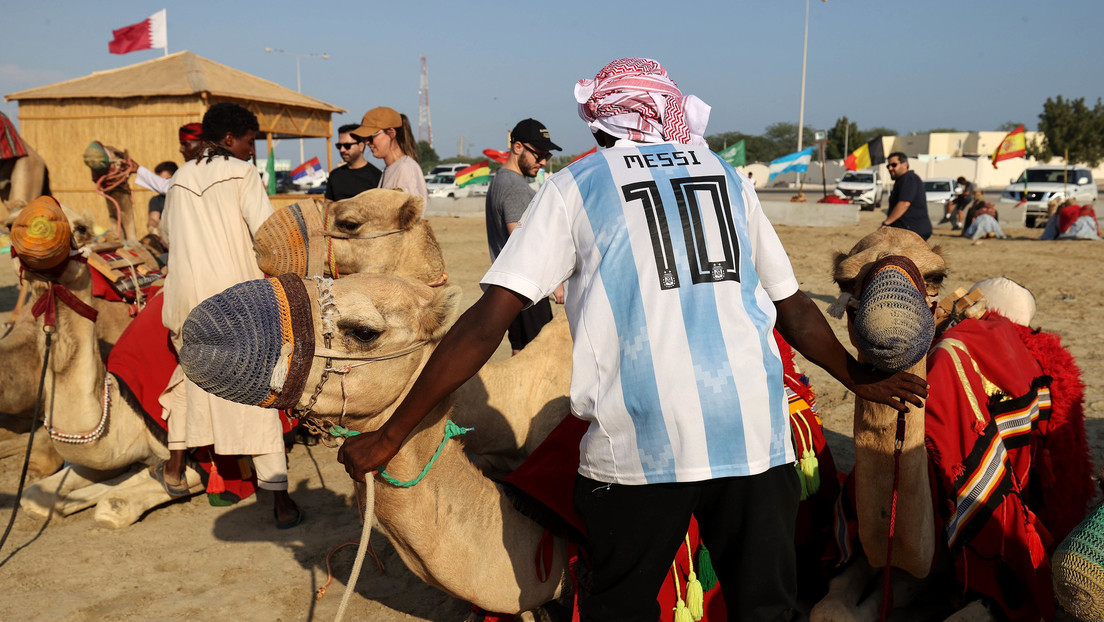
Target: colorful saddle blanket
column 1008, row 457
column 11, row 145
column 129, row 274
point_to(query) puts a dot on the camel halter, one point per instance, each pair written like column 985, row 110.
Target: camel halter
column 330, row 235
column 327, row 306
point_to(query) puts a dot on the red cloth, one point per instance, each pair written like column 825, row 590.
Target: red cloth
column 102, row 287
column 833, row 199
column 11, row 145
column 980, row 455
column 1067, row 215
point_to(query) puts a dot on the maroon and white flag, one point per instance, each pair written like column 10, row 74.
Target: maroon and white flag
column 146, row 34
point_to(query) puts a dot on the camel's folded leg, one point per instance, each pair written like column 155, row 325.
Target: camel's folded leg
column 976, row 611
column 842, row 603
column 66, row 491
column 125, row 504
column 45, row 460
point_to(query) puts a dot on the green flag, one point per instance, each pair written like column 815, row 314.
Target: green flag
column 270, row 171
column 735, row 155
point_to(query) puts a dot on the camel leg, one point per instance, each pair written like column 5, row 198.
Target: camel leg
column 53, row 494
column 44, row 461
column 844, row 591
column 125, row 503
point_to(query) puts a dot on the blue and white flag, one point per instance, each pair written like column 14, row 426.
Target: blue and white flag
column 798, row 162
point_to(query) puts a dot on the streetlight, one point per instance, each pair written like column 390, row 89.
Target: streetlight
column 299, row 81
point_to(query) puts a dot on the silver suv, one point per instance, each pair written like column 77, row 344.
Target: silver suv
column 1038, row 185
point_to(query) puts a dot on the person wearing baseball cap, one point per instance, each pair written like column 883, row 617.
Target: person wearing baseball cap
column 507, row 197
column 389, row 137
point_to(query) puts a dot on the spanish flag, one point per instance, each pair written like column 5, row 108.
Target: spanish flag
column 478, row 173
column 1013, row 146
column 866, row 156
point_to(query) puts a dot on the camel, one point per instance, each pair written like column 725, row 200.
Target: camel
column 22, row 178
column 453, row 521
column 19, row 348
column 889, row 283
column 381, row 231
column 101, row 441
column 377, row 231
column 111, row 168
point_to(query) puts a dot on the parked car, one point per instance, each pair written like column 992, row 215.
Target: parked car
column 939, row 189
column 1038, row 185
column 863, row 188
column 444, row 169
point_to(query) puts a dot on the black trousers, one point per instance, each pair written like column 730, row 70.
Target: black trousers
column 635, row 531
column 528, row 323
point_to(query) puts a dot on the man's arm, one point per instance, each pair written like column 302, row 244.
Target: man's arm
column 462, row 352
column 803, row 326
column 152, row 181
column 896, row 212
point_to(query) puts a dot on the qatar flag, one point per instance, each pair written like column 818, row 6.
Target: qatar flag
column 146, row 34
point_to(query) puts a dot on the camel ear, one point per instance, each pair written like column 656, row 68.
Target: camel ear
column 837, row 259
column 410, row 211
column 443, row 311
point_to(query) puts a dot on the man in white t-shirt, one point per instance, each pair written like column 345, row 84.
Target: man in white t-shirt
column 675, row 282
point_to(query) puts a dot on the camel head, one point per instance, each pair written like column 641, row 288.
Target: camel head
column 274, row 342
column 889, row 282
column 378, row 231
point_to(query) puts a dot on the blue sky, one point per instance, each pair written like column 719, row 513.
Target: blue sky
column 908, row 66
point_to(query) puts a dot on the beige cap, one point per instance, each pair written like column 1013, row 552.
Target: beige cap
column 377, row 119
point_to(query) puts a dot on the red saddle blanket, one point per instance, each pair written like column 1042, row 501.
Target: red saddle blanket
column 1008, row 457
column 11, row 145
column 143, row 360
column 548, row 477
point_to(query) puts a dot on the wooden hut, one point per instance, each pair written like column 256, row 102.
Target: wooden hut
column 140, row 107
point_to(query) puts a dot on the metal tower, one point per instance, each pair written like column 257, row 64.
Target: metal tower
column 425, row 125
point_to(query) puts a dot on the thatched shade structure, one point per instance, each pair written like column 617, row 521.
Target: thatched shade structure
column 140, row 107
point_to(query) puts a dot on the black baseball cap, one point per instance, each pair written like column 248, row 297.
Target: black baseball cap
column 533, row 132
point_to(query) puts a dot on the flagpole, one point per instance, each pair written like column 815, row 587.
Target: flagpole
column 166, row 48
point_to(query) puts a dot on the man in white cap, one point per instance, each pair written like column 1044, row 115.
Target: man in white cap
column 507, row 198
column 675, row 279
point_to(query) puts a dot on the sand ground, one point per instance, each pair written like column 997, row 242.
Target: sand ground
column 188, row 560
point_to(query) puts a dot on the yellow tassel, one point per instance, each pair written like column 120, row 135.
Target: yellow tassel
column 695, row 595
column 810, row 468
column 682, row 614
column 804, row 486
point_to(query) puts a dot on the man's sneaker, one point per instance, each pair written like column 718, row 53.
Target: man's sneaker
column 945, row 219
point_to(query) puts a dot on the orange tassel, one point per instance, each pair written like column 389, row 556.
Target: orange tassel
column 215, row 483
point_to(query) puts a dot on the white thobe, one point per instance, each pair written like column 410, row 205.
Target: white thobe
column 212, row 210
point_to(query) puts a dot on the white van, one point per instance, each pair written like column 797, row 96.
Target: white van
column 863, row 188
column 1038, row 185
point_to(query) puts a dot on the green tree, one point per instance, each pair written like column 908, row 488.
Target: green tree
column 1070, row 126
column 784, row 136
column 842, row 139
column 427, row 156
column 1008, row 126
column 943, row 130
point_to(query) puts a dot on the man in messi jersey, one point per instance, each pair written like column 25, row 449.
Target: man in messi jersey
column 675, row 282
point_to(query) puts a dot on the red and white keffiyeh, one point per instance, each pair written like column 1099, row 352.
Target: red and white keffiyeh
column 634, row 98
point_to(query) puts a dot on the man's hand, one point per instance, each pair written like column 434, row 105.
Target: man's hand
column 559, row 294
column 366, row 453
column 896, row 391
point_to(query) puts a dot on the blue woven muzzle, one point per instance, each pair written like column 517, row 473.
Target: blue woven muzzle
column 894, row 326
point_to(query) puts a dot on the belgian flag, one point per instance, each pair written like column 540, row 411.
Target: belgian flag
column 866, row 156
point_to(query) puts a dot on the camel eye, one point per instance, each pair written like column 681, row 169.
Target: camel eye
column 364, row 334
column 347, row 225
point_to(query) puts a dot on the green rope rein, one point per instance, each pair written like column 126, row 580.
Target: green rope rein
column 451, row 430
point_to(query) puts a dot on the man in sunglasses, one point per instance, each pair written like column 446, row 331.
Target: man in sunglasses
column 357, row 174
column 507, row 198
column 908, row 204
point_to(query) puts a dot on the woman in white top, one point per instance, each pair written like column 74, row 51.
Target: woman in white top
column 390, row 139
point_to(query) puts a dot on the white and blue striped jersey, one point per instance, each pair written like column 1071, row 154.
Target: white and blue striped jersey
column 671, row 270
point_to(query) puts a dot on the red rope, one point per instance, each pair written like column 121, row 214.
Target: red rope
column 887, row 587
column 116, row 175
column 47, row 304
